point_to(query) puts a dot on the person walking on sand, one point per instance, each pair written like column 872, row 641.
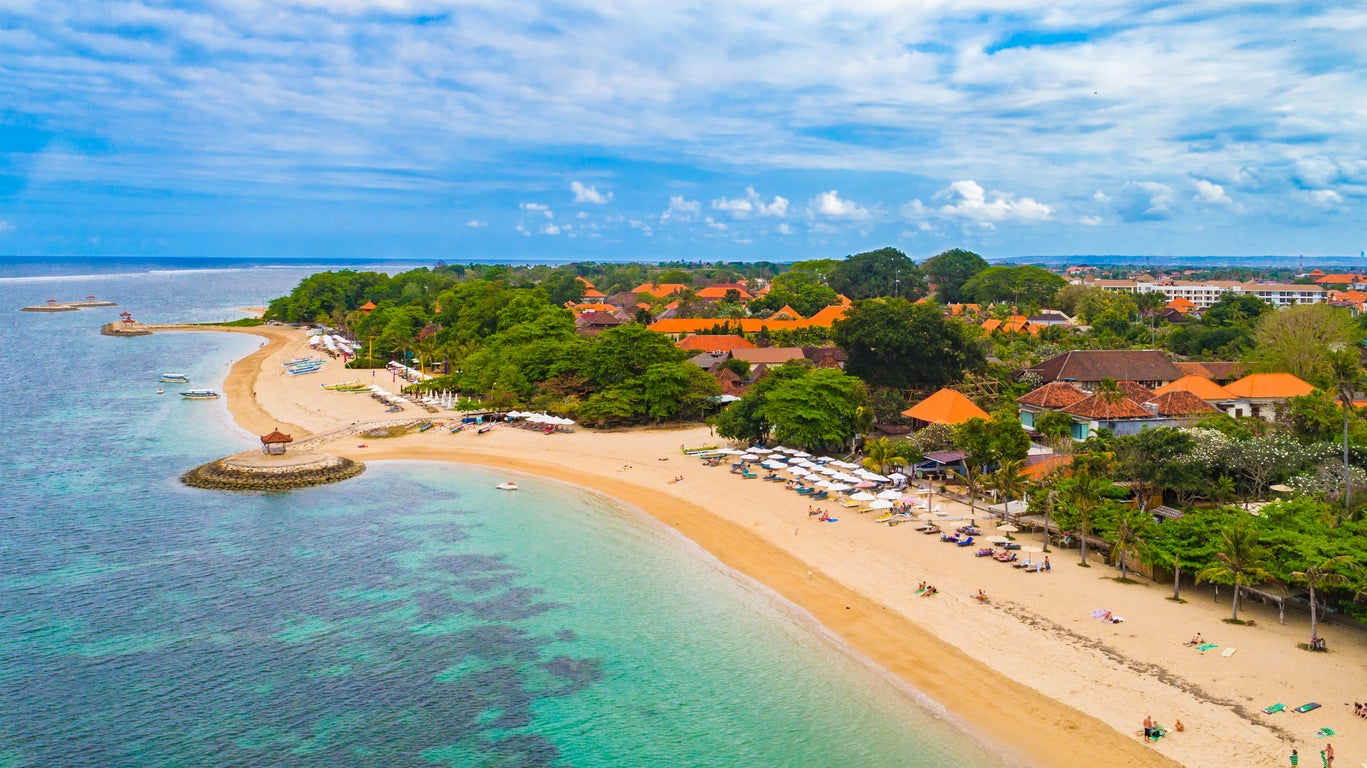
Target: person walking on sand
column 1328, row 755
column 1295, row 758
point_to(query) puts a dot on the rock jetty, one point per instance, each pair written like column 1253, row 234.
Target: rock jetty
column 254, row 471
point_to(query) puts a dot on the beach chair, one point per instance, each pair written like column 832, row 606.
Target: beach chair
column 1308, row 707
column 968, row 542
column 805, row 491
column 748, row 475
column 1274, row 709
column 848, row 503
column 819, row 495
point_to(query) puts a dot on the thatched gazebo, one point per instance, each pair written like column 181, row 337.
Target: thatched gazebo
column 274, row 443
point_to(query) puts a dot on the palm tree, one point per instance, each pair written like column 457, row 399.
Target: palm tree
column 971, row 478
column 1085, row 494
column 1319, row 577
column 1223, row 490
column 1239, row 561
column 1346, row 370
column 1008, row 481
column 881, row 454
column 1131, row 538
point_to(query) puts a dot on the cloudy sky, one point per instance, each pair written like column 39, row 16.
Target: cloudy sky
column 636, row 129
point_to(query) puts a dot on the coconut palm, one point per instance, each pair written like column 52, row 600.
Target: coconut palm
column 971, row 478
column 1346, row 371
column 1239, row 561
column 1132, row 532
column 881, row 454
column 1008, row 481
column 1085, row 493
column 1319, row 577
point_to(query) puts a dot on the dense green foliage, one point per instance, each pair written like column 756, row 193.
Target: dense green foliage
column 1025, row 286
column 950, row 270
column 896, row 343
column 884, row 272
column 799, row 405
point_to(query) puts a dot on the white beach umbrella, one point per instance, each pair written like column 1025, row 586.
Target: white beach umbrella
column 799, row 471
column 839, row 487
column 898, row 476
column 828, row 471
column 748, row 457
column 825, row 459
column 863, row 496
column 891, row 495
column 803, row 455
column 880, row 504
column 761, row 450
column 772, row 464
column 782, row 449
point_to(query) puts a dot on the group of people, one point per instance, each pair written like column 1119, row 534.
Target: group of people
column 1154, row 731
column 926, row 590
column 1360, row 710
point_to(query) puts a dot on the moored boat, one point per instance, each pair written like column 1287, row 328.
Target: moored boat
column 174, row 378
column 199, row 394
column 508, row 486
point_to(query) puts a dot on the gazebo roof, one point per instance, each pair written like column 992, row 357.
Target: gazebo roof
column 276, row 437
column 946, row 407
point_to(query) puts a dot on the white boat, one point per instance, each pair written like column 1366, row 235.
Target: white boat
column 174, row 378
column 508, row 486
column 199, row 394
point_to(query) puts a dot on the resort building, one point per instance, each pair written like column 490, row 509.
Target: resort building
column 1205, row 293
column 1088, row 367
column 946, row 406
column 1259, row 394
column 1126, row 412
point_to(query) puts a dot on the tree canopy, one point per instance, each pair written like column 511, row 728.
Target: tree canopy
column 884, row 272
column 896, row 343
column 949, row 270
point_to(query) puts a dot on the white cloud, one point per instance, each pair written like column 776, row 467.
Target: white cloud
column 590, row 195
column 714, row 224
column 1316, row 171
column 537, row 208
column 475, row 224
column 681, row 210
column 5, row 226
column 967, row 199
column 550, row 229
column 1144, row 201
column 1327, row 198
column 1090, row 221
column 752, row 203
column 1210, row 192
column 785, row 229
column 830, row 204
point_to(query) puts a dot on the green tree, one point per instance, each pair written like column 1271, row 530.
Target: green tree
column 613, row 405
column 1235, row 310
column 1241, row 561
column 949, row 271
column 1008, row 481
column 747, row 419
column 1145, row 459
column 1345, row 371
column 1056, row 427
column 1023, row 286
column 882, row 456
column 884, row 272
column 1133, row 529
column 1085, row 492
column 824, row 408
column 1324, row 574
column 800, row 289
column 1300, row 340
column 625, row 352
column 563, row 286
column 895, row 343
column 676, row 390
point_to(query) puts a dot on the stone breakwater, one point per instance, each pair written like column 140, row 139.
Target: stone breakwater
column 252, row 471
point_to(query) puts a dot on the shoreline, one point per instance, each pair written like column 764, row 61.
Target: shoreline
column 1070, row 708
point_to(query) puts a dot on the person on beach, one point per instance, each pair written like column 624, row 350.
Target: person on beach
column 1295, row 758
column 1328, row 756
column 1177, row 726
column 1148, row 727
column 1196, row 639
column 982, row 595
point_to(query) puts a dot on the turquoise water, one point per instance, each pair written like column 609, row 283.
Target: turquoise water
column 414, row 616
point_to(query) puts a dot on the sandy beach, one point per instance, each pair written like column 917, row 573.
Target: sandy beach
column 1030, row 670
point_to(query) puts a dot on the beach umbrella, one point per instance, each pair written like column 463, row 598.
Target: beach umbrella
column 825, row 459
column 772, row 464
column 761, row 450
column 799, row 471
column 863, row 496
column 748, row 457
column 880, row 504
column 911, row 498
column 891, row 495
column 863, row 484
column 827, row 471
column 802, row 455
column 897, row 476
column 838, row 487
column 1008, row 528
column 998, row 539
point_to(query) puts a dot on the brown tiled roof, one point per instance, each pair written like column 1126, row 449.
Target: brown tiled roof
column 1222, row 372
column 1135, row 391
column 1054, row 395
column 1098, row 364
column 770, row 355
column 1097, row 407
column 276, row 437
column 1180, row 402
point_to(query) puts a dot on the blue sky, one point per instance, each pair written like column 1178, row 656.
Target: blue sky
column 633, row 129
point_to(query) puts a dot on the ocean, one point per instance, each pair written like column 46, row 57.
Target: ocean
column 411, row 616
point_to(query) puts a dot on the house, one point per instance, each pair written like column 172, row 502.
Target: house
column 1048, row 317
column 593, row 323
column 710, row 361
column 368, row 307
column 659, row 290
column 826, row 357
column 708, row 342
column 1012, row 324
column 589, row 291
column 1124, row 413
column 1088, row 367
column 678, row 326
column 944, row 407
column 768, row 355
column 1259, row 394
column 1219, row 372
column 1199, row 386
column 274, row 443
column 718, row 292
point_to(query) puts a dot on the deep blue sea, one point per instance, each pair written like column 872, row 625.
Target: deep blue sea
column 413, row 616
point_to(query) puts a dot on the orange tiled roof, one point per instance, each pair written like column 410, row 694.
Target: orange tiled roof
column 1055, row 394
column 822, row 319
column 1269, row 386
column 946, row 407
column 1180, row 402
column 368, row 306
column 1181, row 305
column 1200, row 386
column 786, row 313
column 579, row 309
column 1341, row 277
column 1135, row 391
column 709, row 342
column 719, row 292
column 660, row 290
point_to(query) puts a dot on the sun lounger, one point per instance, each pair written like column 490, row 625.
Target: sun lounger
column 1229, row 652
column 1274, row 709
column 968, row 542
column 819, row 495
column 848, row 503
column 1321, row 733
column 986, row 552
column 1308, row 706
column 1206, row 647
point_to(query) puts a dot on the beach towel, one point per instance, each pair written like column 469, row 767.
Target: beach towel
column 1308, row 706
column 832, row 519
column 1325, row 732
column 1229, row 652
column 1274, row 709
column 1206, row 647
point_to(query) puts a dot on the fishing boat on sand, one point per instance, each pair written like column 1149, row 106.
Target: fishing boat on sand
column 174, row 378
column 199, row 394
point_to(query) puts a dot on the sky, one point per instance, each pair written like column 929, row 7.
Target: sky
column 639, row 130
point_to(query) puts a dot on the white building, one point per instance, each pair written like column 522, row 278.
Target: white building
column 1204, row 294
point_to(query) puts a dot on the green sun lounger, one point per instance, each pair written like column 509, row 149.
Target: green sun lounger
column 1321, row 733
column 1274, row 709
column 1206, row 647
column 1308, row 706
